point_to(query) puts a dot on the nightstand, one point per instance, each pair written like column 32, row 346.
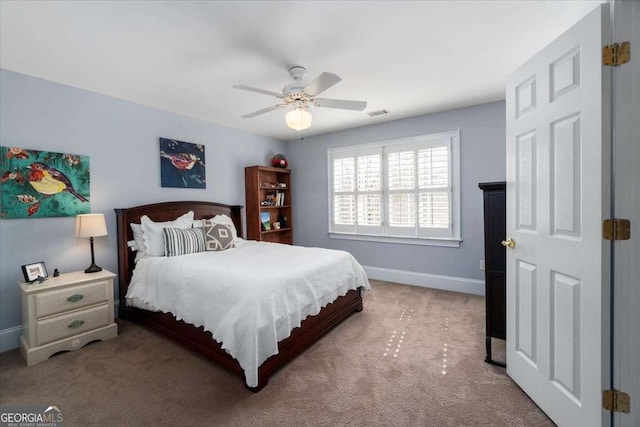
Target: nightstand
column 65, row 313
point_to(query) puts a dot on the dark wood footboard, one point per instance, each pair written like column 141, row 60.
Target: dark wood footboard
column 196, row 338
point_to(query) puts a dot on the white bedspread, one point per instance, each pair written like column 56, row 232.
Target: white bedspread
column 249, row 297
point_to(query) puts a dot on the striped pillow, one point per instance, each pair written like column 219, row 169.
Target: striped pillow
column 182, row 241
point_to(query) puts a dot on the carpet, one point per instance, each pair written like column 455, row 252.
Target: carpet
column 413, row 357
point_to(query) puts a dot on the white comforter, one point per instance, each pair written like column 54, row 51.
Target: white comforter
column 249, row 297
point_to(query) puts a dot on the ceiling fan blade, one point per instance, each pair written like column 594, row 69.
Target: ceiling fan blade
column 262, row 91
column 264, row 110
column 322, row 83
column 343, row 104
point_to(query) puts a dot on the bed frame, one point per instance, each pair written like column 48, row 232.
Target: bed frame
column 196, row 338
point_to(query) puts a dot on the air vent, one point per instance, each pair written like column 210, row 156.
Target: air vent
column 378, row 113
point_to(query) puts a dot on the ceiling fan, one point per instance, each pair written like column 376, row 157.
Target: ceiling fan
column 302, row 96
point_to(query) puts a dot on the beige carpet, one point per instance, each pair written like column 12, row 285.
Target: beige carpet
column 413, row 357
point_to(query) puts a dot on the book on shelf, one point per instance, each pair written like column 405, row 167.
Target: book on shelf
column 274, row 198
column 270, row 198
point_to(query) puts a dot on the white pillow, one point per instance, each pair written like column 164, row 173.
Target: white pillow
column 221, row 219
column 138, row 237
column 152, row 232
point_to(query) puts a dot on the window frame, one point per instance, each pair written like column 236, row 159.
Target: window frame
column 450, row 237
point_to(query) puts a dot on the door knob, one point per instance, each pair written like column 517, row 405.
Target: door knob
column 509, row 243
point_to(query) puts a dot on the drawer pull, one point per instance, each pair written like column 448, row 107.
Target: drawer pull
column 76, row 324
column 75, row 298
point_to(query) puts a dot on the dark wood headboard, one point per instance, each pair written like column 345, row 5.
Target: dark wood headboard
column 166, row 211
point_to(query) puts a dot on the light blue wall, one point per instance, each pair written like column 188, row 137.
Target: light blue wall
column 482, row 148
column 121, row 139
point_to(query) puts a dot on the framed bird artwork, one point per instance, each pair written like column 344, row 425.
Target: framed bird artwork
column 182, row 164
column 43, row 183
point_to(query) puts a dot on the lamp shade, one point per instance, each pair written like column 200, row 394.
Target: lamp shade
column 91, row 225
column 298, row 118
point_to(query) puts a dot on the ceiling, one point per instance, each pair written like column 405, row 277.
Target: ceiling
column 409, row 58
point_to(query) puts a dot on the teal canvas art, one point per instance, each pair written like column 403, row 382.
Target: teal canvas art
column 43, row 184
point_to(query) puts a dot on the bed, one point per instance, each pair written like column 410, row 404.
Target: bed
column 197, row 338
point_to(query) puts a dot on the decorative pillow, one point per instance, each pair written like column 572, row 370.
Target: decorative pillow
column 152, row 232
column 217, row 236
column 138, row 237
column 221, row 219
column 179, row 241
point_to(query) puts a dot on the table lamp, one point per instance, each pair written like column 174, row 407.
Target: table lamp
column 91, row 225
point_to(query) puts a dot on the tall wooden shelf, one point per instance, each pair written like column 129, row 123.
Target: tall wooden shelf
column 259, row 183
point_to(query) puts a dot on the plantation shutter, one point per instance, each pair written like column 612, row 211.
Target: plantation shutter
column 369, row 193
column 344, row 200
column 401, row 170
column 357, row 191
column 434, row 189
column 419, row 189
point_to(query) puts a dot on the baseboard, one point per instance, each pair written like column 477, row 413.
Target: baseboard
column 10, row 338
column 435, row 281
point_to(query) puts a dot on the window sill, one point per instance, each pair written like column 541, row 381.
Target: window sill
column 448, row 243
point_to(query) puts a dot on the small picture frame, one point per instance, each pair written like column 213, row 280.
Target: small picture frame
column 32, row 271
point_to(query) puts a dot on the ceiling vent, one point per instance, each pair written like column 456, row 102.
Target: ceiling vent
column 377, row 113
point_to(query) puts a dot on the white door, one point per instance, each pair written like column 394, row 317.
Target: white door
column 558, row 177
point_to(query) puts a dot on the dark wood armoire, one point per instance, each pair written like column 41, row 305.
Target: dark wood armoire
column 495, row 227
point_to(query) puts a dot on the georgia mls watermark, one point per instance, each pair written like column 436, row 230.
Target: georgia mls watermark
column 30, row 416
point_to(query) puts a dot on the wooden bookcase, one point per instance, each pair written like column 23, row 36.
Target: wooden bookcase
column 268, row 195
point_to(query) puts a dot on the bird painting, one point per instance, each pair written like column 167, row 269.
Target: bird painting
column 48, row 180
column 182, row 164
column 34, row 183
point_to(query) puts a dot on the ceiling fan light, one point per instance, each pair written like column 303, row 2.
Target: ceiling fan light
column 298, row 118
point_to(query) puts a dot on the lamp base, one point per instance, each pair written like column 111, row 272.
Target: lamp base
column 93, row 269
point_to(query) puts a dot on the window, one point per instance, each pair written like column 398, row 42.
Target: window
column 400, row 190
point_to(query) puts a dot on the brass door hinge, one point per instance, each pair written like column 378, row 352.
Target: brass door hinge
column 616, row 54
column 615, row 401
column 616, row 229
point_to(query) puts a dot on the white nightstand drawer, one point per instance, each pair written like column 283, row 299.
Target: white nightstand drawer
column 52, row 302
column 74, row 323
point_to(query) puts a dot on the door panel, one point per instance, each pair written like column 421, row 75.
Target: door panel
column 565, row 330
column 565, row 74
column 526, row 313
column 565, row 178
column 526, row 190
column 526, row 96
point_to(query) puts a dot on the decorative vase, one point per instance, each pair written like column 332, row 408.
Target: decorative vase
column 279, row 161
